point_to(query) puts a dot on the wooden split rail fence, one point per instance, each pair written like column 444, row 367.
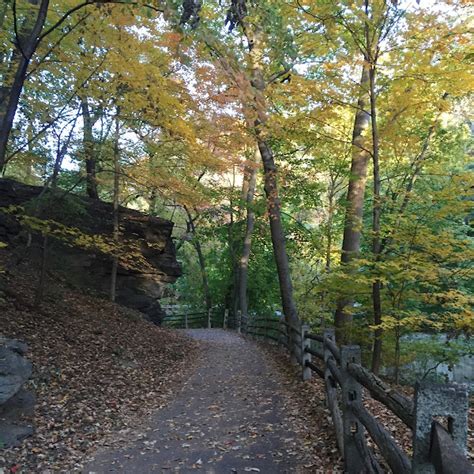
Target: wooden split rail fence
column 437, row 415
column 203, row 319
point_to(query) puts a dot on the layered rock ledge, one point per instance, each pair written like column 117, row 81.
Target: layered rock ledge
column 138, row 287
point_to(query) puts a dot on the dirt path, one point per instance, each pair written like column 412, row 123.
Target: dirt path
column 230, row 417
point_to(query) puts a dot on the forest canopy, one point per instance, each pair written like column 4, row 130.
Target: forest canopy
column 315, row 155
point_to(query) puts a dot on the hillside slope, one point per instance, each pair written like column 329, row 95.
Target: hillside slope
column 97, row 368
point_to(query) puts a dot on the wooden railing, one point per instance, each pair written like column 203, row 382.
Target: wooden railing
column 436, row 448
column 194, row 320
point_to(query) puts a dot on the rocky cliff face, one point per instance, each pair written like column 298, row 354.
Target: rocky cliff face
column 138, row 288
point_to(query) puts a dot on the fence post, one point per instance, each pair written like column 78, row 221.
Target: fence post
column 331, row 393
column 305, row 356
column 186, row 319
column 355, row 446
column 432, row 400
column 226, row 316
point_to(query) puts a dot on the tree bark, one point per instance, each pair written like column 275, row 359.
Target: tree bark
column 377, row 243
column 331, row 211
column 278, row 233
column 88, row 141
column 247, row 243
column 10, row 94
column 116, row 216
column 232, row 242
column 258, row 121
column 202, row 266
column 355, row 196
column 372, row 48
column 60, row 154
column 202, row 261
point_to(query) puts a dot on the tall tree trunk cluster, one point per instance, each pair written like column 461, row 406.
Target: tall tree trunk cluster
column 363, row 150
column 258, row 119
column 355, row 198
column 255, row 108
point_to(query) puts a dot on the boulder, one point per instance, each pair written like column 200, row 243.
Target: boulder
column 15, row 419
column 15, row 369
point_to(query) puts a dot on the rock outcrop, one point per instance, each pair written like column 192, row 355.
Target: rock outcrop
column 138, row 287
column 15, row 369
column 16, row 404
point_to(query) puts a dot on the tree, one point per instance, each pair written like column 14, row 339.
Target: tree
column 26, row 42
column 251, row 176
column 256, row 116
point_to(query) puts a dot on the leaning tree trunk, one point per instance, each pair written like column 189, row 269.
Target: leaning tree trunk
column 10, row 93
column 278, row 233
column 259, row 112
column 355, row 198
column 247, row 243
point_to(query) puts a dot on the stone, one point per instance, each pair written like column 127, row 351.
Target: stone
column 14, row 345
column 431, row 401
column 137, row 288
column 15, row 369
column 14, row 419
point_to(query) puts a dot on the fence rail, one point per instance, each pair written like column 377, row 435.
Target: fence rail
column 209, row 319
column 436, row 449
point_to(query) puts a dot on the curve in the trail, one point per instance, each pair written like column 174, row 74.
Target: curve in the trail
column 228, row 418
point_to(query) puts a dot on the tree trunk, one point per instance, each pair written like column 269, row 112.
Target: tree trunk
column 116, row 229
column 10, row 94
column 377, row 243
column 202, row 261
column 202, row 266
column 355, row 197
column 258, row 120
column 61, row 153
column 88, row 140
column 397, row 355
column 247, row 243
column 232, row 242
column 330, row 222
column 277, row 232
